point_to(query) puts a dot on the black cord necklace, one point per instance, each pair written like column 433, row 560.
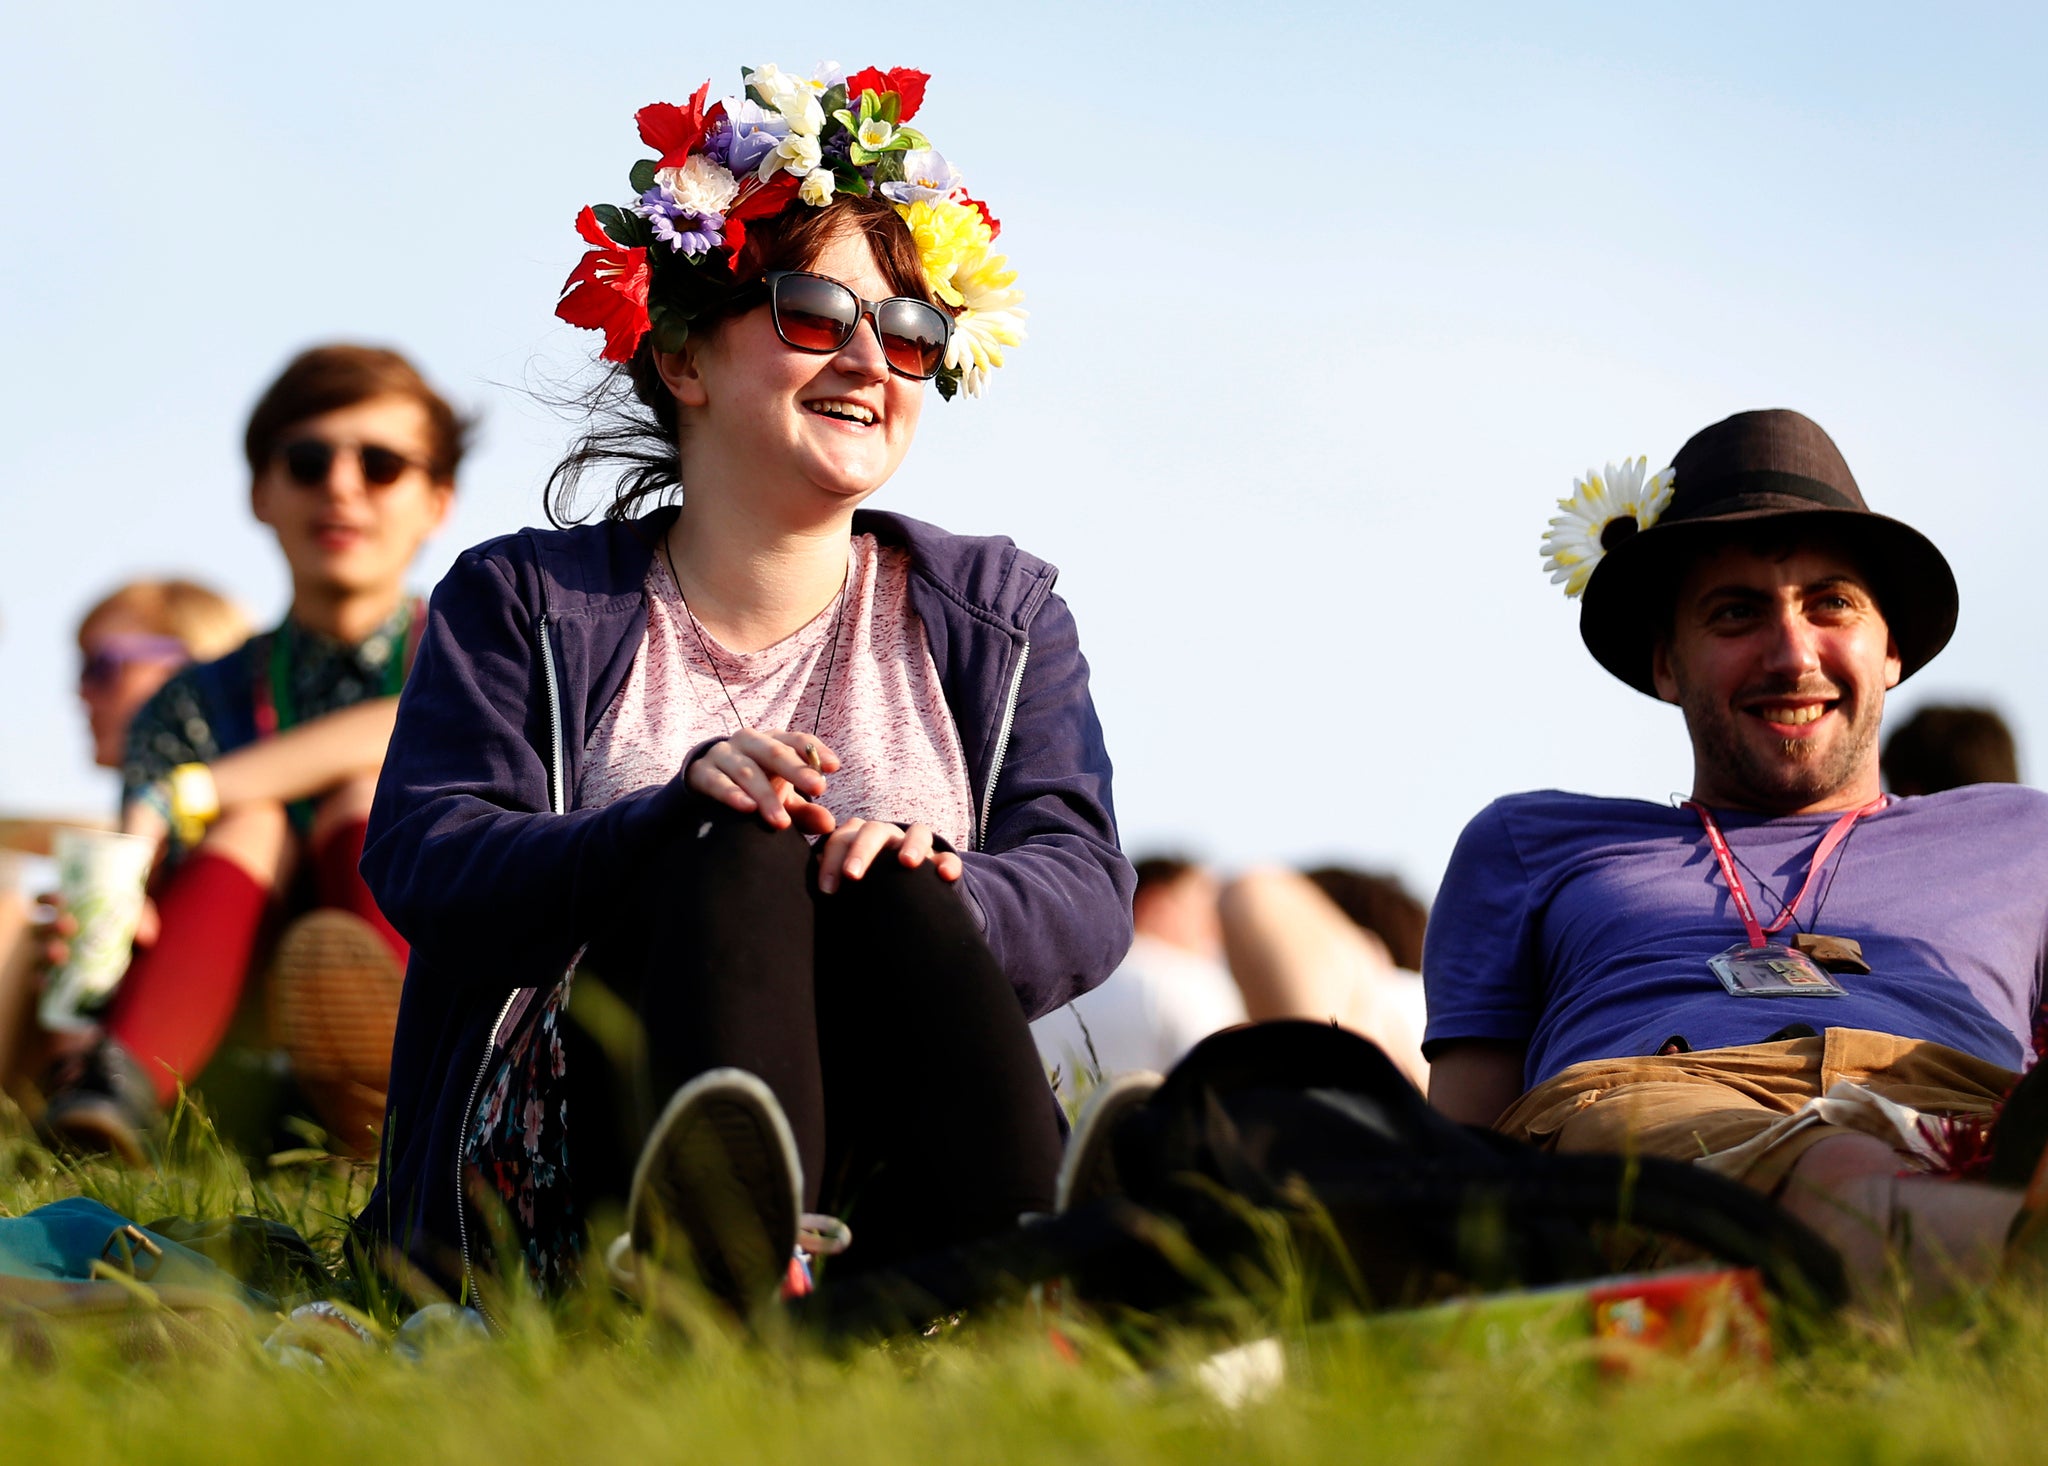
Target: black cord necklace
column 1827, row 881
column 831, row 661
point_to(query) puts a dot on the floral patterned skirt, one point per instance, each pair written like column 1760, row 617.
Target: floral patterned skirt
column 516, row 1150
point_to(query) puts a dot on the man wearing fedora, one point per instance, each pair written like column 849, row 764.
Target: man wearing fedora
column 1789, row 977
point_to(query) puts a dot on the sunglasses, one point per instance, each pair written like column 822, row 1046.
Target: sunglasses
column 104, row 662
column 816, row 313
column 310, row 460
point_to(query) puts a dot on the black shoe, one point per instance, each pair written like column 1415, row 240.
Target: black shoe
column 717, row 1192
column 1088, row 1165
column 98, row 1101
column 2020, row 1133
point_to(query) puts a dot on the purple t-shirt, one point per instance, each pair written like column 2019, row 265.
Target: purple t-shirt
column 1582, row 926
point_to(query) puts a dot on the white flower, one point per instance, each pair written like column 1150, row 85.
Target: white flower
column 795, row 97
column 827, row 75
column 816, row 189
column 874, row 134
column 796, row 154
column 1602, row 511
column 926, row 175
column 772, row 82
column 802, row 112
column 700, row 185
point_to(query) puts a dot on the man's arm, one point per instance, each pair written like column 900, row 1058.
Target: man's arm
column 1473, row 1081
column 298, row 763
column 309, row 759
column 1482, row 974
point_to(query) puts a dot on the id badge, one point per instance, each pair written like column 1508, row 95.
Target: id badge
column 1773, row 971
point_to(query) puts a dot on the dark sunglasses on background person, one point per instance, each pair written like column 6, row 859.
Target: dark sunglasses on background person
column 110, row 654
column 815, row 313
column 310, row 460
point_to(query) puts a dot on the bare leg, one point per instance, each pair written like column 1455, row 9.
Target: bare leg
column 1295, row 954
column 1949, row 1235
column 258, row 838
column 18, row 967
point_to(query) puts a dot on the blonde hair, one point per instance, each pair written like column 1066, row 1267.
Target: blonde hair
column 208, row 623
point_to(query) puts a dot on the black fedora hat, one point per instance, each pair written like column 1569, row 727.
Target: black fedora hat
column 1776, row 465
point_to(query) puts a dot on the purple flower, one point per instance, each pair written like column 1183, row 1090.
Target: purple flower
column 718, row 143
column 684, row 231
column 695, row 235
column 754, row 133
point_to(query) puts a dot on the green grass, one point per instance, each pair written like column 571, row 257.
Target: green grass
column 591, row 1379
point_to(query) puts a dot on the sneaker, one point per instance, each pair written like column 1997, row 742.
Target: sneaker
column 334, row 988
column 717, row 1192
column 98, row 1101
column 1088, row 1167
column 2019, row 1136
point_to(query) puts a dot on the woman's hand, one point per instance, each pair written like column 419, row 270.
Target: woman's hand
column 770, row 772
column 855, row 844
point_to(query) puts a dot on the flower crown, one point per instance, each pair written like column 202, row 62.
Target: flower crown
column 791, row 141
column 1603, row 510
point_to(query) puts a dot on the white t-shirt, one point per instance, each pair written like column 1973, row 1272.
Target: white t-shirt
column 1159, row 1003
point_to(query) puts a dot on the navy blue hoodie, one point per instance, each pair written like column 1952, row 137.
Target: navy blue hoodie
column 497, row 891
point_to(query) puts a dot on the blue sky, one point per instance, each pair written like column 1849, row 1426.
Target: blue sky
column 1329, row 304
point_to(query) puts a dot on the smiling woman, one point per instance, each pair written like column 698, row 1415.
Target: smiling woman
column 637, row 422
column 812, row 798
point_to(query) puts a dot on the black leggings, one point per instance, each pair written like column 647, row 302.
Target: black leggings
column 876, row 1014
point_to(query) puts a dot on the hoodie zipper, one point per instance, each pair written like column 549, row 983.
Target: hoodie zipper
column 558, row 799
column 556, row 802
column 995, row 768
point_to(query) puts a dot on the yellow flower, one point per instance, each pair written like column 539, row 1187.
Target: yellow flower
column 990, row 321
column 947, row 235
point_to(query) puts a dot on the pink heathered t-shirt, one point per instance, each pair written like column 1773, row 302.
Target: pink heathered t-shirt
column 883, row 711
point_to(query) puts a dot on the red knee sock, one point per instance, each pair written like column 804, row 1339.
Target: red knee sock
column 174, row 1006
column 340, row 883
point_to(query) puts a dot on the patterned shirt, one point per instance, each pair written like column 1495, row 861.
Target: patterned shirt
column 210, row 708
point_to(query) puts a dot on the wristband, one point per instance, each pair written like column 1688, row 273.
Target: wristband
column 194, row 802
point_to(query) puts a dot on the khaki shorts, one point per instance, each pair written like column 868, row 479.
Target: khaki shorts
column 1703, row 1105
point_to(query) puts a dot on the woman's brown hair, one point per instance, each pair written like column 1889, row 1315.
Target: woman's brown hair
column 634, row 426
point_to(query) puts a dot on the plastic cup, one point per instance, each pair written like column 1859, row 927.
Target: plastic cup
column 100, row 877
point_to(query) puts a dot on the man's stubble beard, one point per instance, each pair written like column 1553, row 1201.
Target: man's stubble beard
column 1806, row 775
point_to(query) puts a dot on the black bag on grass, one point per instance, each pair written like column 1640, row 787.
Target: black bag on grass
column 1303, row 1142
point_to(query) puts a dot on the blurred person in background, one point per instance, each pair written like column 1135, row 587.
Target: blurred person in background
column 134, row 639
column 1380, row 904
column 1171, row 991
column 1298, row 950
column 257, row 770
column 1942, row 748
column 130, row 643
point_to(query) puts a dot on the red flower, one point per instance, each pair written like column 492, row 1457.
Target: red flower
column 607, row 291
column 674, row 131
column 908, row 85
column 766, row 201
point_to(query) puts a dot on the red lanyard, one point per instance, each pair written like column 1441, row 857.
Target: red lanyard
column 1829, row 843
